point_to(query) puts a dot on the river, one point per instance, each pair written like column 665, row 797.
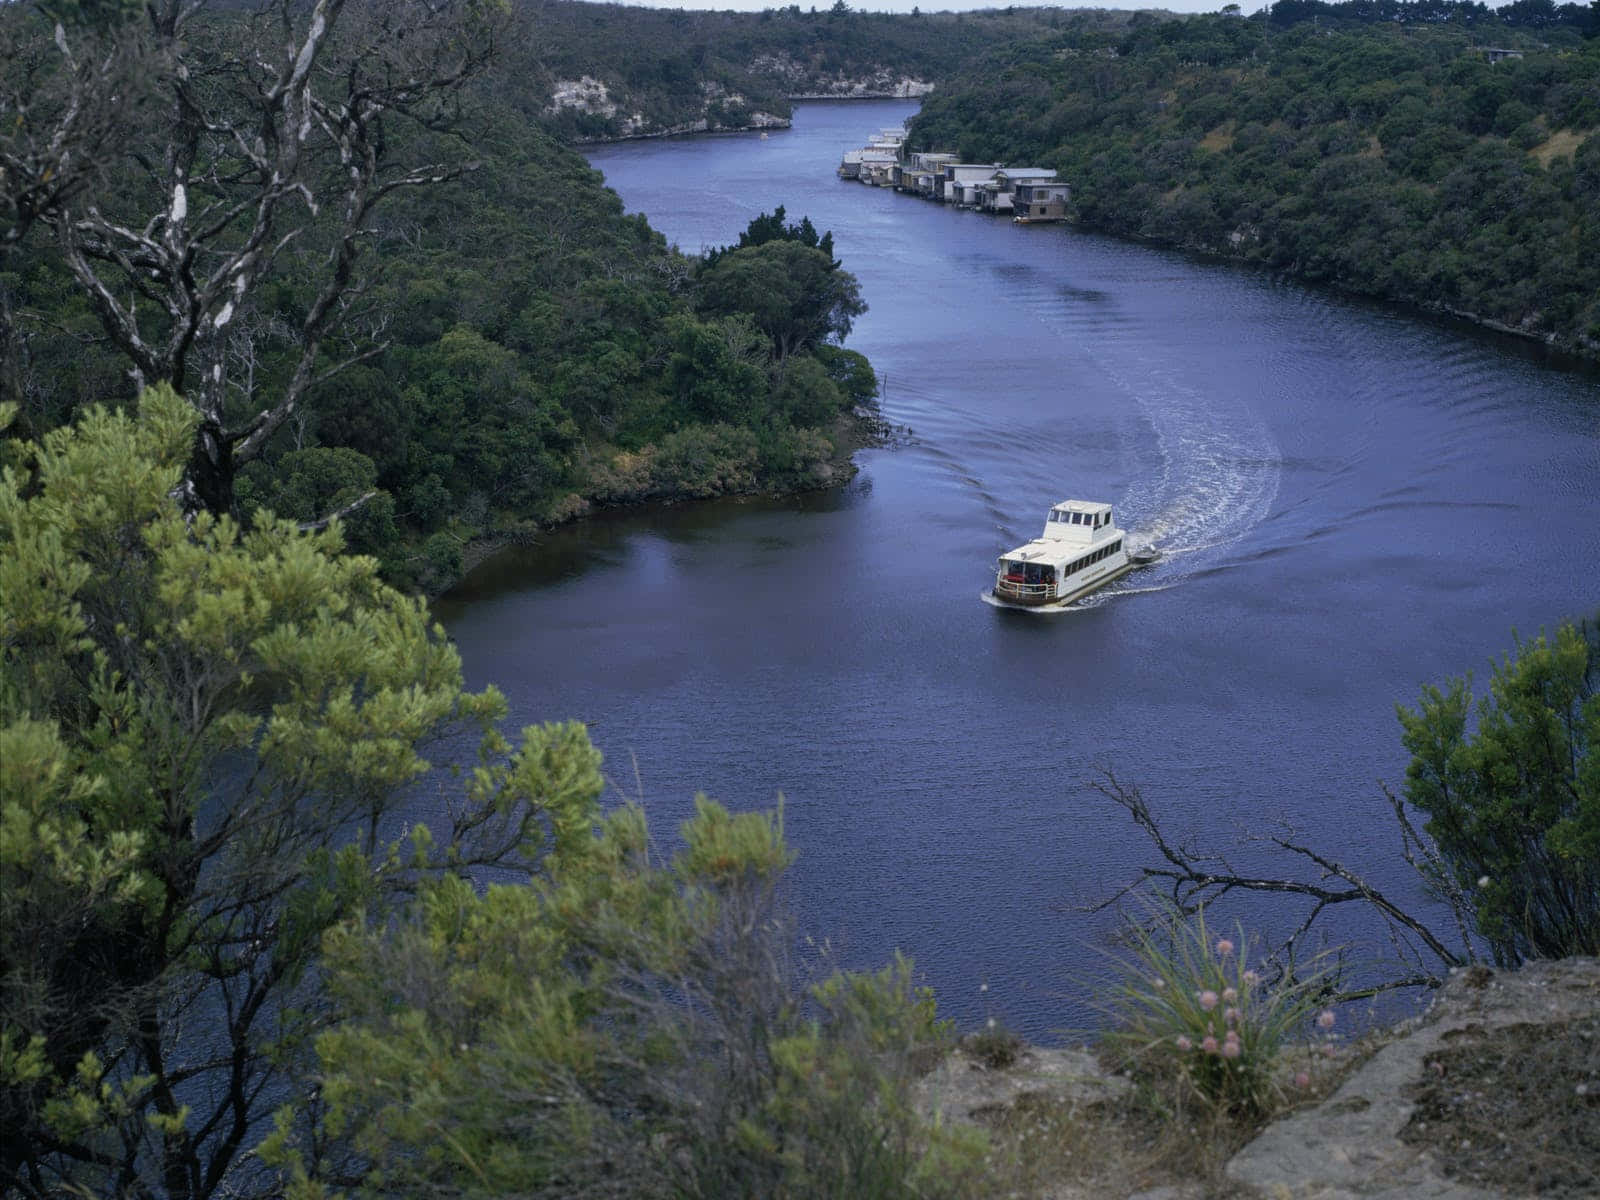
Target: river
column 1354, row 502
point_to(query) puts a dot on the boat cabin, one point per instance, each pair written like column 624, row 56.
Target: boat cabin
column 1078, row 521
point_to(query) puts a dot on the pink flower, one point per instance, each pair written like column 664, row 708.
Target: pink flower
column 1251, row 978
column 1209, row 1044
column 1325, row 1019
column 1330, row 1051
column 1184, row 1043
column 1230, row 1048
column 1231, row 1016
column 1229, row 995
column 1208, row 1000
column 1303, row 1079
column 1224, row 947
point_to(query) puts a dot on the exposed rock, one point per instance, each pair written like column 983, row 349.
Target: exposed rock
column 962, row 1089
column 587, row 95
column 1356, row 1145
column 804, row 83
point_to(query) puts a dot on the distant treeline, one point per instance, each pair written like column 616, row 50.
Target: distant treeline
column 1394, row 160
column 1520, row 14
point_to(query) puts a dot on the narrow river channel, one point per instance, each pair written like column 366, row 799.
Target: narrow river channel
column 1355, row 502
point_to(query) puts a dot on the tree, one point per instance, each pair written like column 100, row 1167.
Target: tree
column 263, row 137
column 206, row 739
column 769, row 227
column 796, row 295
column 1514, row 803
column 626, row 1027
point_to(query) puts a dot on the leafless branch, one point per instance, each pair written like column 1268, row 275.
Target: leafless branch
column 1193, row 880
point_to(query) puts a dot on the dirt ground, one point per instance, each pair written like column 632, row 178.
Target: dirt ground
column 1515, row 1109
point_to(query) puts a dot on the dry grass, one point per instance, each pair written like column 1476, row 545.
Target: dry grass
column 1161, row 1133
column 1220, row 138
column 1563, row 143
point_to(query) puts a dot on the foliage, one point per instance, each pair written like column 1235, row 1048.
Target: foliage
column 1395, row 161
column 1186, row 1005
column 769, row 227
column 208, row 734
column 676, row 67
column 794, row 293
column 539, row 352
column 625, row 1027
column 261, row 133
column 995, row 1046
column 1513, row 797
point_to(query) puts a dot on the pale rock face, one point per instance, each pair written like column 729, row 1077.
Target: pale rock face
column 587, row 95
column 803, row 83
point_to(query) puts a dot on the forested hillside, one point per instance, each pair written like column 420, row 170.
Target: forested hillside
column 493, row 346
column 1390, row 159
column 666, row 69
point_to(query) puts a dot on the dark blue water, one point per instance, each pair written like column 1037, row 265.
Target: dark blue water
column 1356, row 502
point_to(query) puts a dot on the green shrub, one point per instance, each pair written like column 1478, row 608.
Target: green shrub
column 1513, row 804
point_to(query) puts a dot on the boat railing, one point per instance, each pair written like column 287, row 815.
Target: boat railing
column 1006, row 587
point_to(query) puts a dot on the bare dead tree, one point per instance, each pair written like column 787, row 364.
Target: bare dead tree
column 66, row 101
column 275, row 130
column 1194, row 878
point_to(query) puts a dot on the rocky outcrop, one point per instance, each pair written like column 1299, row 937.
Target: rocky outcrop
column 963, row 1089
column 720, row 110
column 801, row 82
column 1388, row 1134
column 1493, row 1094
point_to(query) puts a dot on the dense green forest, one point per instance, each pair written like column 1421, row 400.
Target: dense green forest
column 673, row 67
column 1389, row 159
column 493, row 347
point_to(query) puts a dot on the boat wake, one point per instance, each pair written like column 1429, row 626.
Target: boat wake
column 1214, row 477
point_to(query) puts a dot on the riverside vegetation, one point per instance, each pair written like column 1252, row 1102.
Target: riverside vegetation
column 232, row 959
column 1374, row 148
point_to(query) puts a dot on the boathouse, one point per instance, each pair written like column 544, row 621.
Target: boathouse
column 1040, row 200
column 955, row 177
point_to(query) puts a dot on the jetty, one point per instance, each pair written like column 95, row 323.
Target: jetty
column 1029, row 195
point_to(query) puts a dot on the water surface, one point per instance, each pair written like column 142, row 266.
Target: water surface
column 1354, row 502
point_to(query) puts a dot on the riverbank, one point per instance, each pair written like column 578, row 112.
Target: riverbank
column 1577, row 352
column 860, row 429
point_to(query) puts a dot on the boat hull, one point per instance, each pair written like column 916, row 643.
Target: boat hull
column 998, row 601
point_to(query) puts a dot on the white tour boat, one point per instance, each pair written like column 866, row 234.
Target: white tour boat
column 1081, row 549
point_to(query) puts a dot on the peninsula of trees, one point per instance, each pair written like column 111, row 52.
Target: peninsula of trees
column 387, row 289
